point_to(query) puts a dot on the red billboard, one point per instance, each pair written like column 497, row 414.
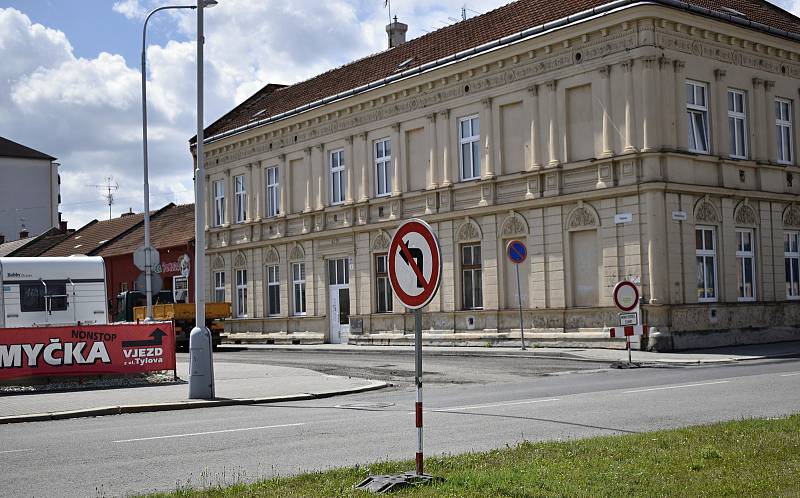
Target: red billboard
column 86, row 350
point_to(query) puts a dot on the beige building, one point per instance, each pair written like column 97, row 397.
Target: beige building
column 651, row 141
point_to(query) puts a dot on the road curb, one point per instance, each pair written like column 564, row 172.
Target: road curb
column 184, row 405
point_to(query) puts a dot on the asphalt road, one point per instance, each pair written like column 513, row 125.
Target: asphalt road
column 127, row 454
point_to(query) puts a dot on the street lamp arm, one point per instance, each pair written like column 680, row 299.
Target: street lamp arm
column 146, row 19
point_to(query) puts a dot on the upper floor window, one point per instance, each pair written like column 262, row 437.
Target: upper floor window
column 383, row 167
column 737, row 124
column 240, row 196
column 219, row 202
column 469, row 139
column 697, row 114
column 745, row 265
column 791, row 259
column 783, row 125
column 273, row 192
column 706, row 252
column 337, row 177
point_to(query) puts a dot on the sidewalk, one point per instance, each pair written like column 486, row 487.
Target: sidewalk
column 706, row 356
column 235, row 384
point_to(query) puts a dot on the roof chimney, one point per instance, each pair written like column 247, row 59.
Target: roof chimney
column 396, row 32
column 23, row 234
column 129, row 213
column 2, row 238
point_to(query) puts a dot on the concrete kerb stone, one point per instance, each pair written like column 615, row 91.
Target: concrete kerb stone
column 184, row 405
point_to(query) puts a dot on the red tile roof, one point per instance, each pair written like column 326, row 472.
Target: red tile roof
column 170, row 227
column 513, row 18
column 94, row 235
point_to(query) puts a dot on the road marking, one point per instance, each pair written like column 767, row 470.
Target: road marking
column 15, row 451
column 676, row 387
column 209, row 432
column 492, row 405
column 790, row 375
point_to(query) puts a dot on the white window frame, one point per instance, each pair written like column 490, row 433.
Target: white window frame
column 383, row 167
column 273, row 197
column 475, row 272
column 299, row 289
column 273, row 285
column 705, row 254
column 337, row 176
column 791, row 258
column 383, row 289
column 218, row 187
column 784, row 131
column 241, row 293
column 219, row 286
column 745, row 258
column 695, row 111
column 473, row 143
column 240, row 195
column 737, row 123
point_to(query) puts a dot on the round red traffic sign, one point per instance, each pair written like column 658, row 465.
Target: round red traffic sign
column 626, row 295
column 415, row 263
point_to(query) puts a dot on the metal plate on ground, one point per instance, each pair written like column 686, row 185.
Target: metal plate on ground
column 385, row 483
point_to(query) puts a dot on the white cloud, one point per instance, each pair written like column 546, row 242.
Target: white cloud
column 86, row 111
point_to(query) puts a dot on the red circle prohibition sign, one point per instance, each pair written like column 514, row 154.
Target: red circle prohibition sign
column 429, row 285
column 618, row 288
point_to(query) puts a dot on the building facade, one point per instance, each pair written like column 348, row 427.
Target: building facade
column 634, row 141
column 29, row 191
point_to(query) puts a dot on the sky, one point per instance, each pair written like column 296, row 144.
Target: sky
column 70, row 80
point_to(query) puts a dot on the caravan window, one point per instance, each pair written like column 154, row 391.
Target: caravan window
column 32, row 297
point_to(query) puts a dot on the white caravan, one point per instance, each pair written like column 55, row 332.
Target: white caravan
column 52, row 291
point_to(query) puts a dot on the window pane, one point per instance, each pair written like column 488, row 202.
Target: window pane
column 709, row 240
column 689, row 93
column 465, row 129
column 468, row 302
column 478, row 289
column 476, row 127
column 692, row 132
column 698, row 240
column 466, row 161
column 466, row 255
column 476, row 159
column 711, row 284
column 701, row 279
column 476, row 255
column 731, row 104
column 332, row 272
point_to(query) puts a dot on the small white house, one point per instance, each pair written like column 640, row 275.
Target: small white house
column 52, row 291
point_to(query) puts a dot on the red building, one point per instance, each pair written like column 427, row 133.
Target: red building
column 172, row 234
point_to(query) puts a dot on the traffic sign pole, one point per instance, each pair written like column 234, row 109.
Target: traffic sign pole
column 521, row 323
column 418, row 382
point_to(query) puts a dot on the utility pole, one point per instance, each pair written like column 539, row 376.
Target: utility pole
column 110, row 186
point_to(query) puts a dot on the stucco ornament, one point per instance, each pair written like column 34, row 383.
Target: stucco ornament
column 791, row 217
column 239, row 261
column 469, row 230
column 271, row 255
column 746, row 215
column 705, row 212
column 218, row 264
column 297, row 253
column 515, row 225
column 581, row 217
column 381, row 242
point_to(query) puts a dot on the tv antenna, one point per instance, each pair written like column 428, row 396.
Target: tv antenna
column 110, row 186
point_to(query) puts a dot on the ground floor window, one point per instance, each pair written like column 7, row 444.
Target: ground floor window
column 241, row 293
column 382, row 285
column 299, row 288
column 706, row 253
column 273, row 291
column 471, row 277
column 745, row 265
column 791, row 259
column 219, row 286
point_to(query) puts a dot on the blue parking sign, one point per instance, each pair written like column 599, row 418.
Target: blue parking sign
column 516, row 251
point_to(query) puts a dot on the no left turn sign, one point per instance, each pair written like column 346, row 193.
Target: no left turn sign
column 415, row 264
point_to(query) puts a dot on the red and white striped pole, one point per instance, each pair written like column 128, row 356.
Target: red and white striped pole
column 418, row 381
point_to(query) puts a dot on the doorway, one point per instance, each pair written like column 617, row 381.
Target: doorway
column 339, row 292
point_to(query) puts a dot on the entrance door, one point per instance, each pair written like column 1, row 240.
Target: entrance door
column 339, row 292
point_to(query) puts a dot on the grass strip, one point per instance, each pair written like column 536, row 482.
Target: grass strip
column 749, row 458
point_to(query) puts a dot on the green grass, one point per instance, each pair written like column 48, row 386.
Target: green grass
column 747, row 458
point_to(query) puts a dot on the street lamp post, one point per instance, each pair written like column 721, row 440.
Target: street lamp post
column 201, row 366
column 148, row 270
